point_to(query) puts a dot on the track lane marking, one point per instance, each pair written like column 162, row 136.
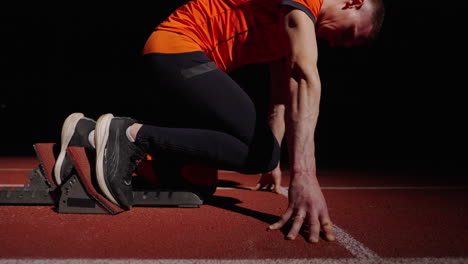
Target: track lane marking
column 11, row 185
column 396, row 188
column 428, row 260
column 363, row 255
column 372, row 188
column 356, row 248
column 15, row 169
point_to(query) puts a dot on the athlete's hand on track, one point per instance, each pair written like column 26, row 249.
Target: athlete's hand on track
column 270, row 181
column 307, row 209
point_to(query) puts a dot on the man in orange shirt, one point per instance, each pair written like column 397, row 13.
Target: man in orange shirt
column 202, row 116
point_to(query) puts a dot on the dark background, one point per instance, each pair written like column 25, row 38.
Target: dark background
column 396, row 104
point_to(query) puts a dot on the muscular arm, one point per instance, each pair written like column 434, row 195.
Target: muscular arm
column 306, row 202
column 303, row 93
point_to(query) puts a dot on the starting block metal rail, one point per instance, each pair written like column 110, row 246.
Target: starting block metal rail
column 35, row 192
column 79, row 195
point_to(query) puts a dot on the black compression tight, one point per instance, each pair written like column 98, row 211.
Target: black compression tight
column 200, row 114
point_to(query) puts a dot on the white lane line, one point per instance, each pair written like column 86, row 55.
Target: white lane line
column 356, row 248
column 373, row 188
column 11, row 185
column 396, row 188
column 241, row 261
column 15, row 169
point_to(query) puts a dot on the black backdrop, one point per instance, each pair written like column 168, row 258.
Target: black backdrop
column 397, row 103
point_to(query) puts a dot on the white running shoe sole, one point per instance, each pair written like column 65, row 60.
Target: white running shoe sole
column 101, row 135
column 68, row 129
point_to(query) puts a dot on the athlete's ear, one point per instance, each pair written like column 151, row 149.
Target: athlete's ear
column 353, row 4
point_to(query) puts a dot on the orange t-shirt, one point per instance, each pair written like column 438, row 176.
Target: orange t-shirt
column 232, row 33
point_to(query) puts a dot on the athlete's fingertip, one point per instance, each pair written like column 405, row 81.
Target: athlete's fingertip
column 314, row 240
column 275, row 226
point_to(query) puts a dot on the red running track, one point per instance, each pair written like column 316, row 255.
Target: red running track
column 378, row 216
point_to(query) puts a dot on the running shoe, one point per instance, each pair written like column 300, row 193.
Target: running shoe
column 75, row 133
column 116, row 159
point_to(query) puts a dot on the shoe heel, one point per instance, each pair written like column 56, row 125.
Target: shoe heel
column 68, row 129
column 101, row 134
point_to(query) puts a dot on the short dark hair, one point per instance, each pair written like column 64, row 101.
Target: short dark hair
column 377, row 17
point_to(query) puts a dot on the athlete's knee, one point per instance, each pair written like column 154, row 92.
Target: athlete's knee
column 273, row 161
column 263, row 160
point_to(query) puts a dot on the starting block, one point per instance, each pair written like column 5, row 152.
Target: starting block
column 154, row 185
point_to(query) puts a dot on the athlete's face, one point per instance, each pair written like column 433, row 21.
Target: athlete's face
column 346, row 26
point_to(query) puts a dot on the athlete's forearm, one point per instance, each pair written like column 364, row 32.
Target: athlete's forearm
column 301, row 119
column 302, row 107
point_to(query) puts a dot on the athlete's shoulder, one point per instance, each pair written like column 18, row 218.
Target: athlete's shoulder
column 310, row 7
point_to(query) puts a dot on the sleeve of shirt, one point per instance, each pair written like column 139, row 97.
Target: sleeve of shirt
column 303, row 5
